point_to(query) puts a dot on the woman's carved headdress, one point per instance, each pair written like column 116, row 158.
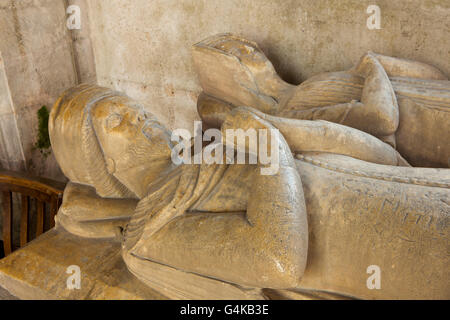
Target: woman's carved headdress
column 75, row 144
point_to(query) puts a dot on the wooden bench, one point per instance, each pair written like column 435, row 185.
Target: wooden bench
column 44, row 191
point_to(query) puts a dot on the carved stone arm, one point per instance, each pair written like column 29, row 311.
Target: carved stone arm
column 396, row 67
column 86, row 214
column 265, row 246
column 307, row 136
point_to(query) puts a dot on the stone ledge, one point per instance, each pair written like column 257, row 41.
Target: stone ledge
column 38, row 271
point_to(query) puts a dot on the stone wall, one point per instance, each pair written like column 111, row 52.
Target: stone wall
column 143, row 47
column 40, row 61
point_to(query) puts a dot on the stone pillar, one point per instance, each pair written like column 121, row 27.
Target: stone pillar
column 83, row 54
column 11, row 151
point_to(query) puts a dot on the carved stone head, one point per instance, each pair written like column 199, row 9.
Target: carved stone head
column 108, row 141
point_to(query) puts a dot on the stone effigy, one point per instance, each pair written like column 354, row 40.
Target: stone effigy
column 402, row 102
column 342, row 201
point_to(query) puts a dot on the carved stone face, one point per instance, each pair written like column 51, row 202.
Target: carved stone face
column 250, row 55
column 135, row 145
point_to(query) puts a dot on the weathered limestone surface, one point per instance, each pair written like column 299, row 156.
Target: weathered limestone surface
column 316, row 224
column 5, row 295
column 83, row 55
column 404, row 103
column 11, row 152
column 38, row 64
column 38, row 271
column 143, row 47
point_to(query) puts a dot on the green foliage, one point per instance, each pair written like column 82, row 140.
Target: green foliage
column 43, row 138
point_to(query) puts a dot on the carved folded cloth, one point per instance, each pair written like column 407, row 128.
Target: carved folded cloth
column 168, row 198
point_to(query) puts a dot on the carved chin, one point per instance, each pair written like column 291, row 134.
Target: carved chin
column 139, row 174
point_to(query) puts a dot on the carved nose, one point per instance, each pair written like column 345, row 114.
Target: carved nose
column 147, row 130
